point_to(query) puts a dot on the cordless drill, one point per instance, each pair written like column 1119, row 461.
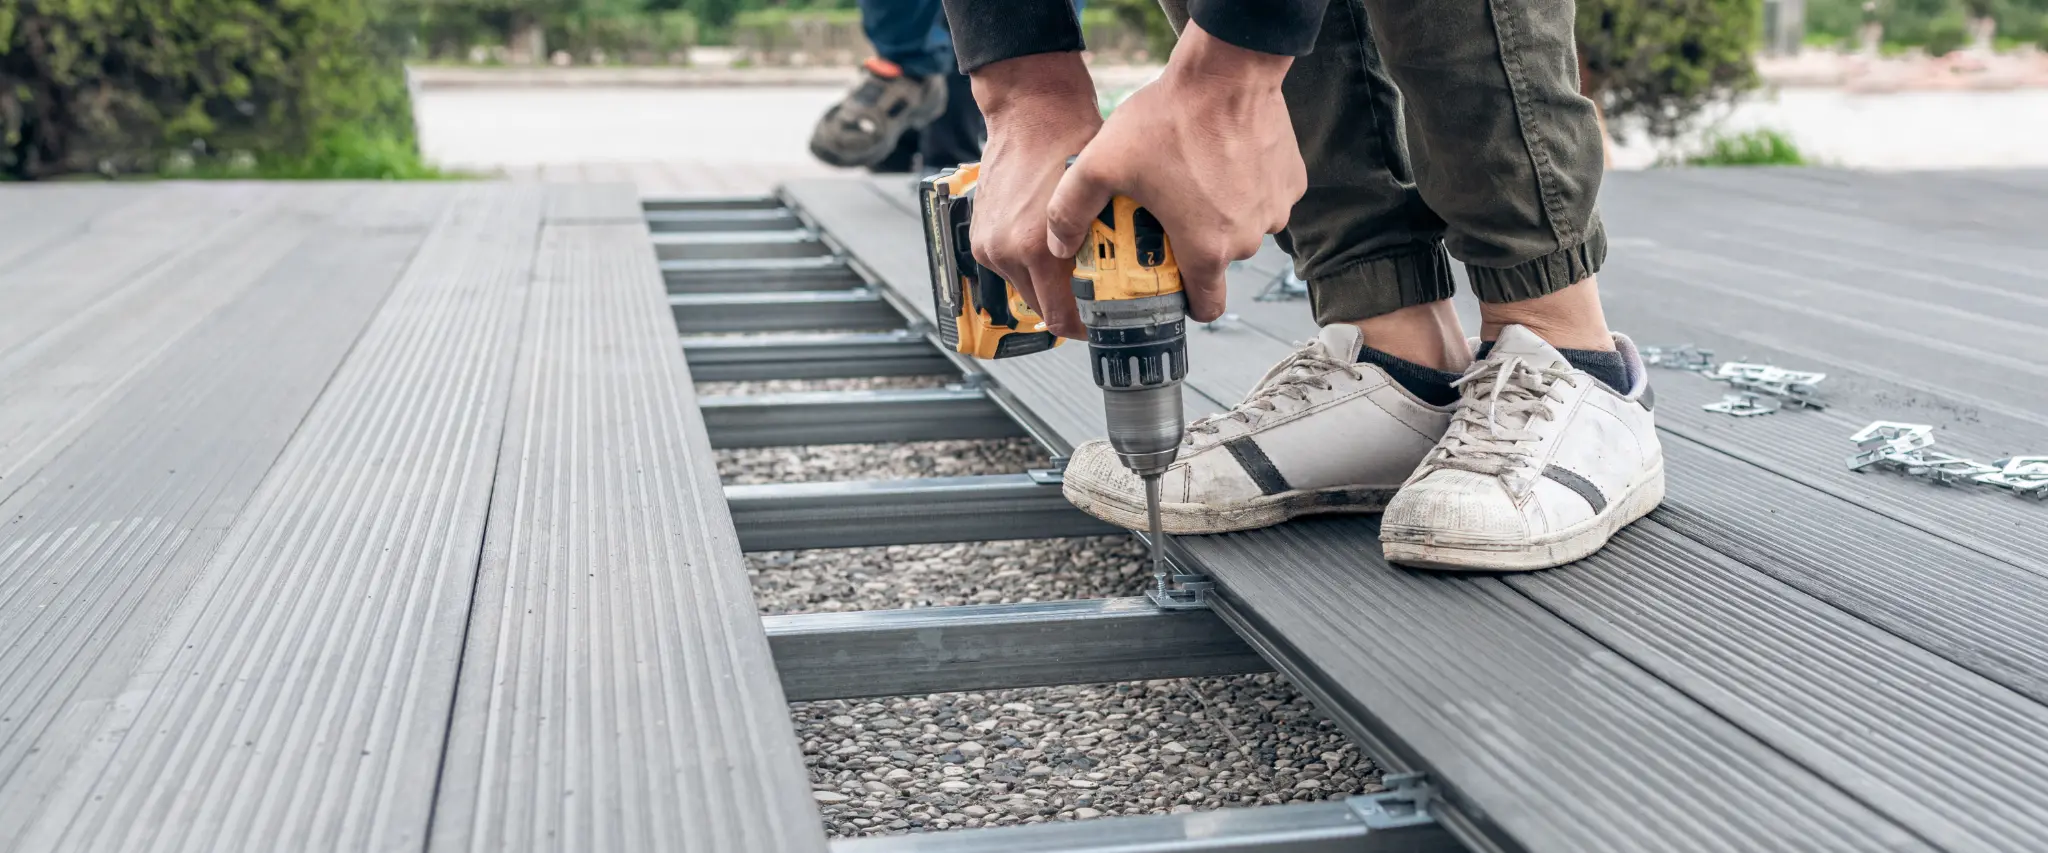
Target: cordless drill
column 1128, row 288
column 1129, row 292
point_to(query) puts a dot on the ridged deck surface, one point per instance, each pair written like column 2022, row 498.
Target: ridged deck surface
column 617, row 690
column 1787, row 655
column 258, row 446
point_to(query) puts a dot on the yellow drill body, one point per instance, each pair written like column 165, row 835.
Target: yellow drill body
column 1128, row 289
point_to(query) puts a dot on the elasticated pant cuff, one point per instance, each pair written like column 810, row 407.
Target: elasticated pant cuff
column 1382, row 285
column 1548, row 274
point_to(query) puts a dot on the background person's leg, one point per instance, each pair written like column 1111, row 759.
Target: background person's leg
column 904, row 86
column 908, row 34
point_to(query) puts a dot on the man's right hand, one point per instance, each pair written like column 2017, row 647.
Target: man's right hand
column 1041, row 110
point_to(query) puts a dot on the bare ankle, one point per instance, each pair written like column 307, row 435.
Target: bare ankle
column 1426, row 334
column 1568, row 318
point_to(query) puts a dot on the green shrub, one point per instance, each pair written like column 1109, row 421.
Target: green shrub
column 119, row 86
column 1947, row 34
column 1763, row 147
column 1661, row 62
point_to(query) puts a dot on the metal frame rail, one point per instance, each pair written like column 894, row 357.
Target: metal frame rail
column 758, row 294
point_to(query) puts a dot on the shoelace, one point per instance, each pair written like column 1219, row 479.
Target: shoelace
column 1490, row 434
column 1308, row 368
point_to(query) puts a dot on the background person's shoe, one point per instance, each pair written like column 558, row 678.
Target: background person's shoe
column 1321, row 433
column 1541, row 466
column 863, row 128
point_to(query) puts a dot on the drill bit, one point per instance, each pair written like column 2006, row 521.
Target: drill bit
column 1158, row 533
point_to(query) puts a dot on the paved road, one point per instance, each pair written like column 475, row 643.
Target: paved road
column 670, row 141
column 745, row 140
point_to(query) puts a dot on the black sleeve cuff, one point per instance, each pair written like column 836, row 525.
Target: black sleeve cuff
column 986, row 31
column 1284, row 27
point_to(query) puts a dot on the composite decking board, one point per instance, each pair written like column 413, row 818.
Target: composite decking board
column 1977, row 611
column 1810, row 448
column 116, row 254
column 1962, row 206
column 1922, row 373
column 617, row 692
column 614, row 203
column 36, row 215
column 883, row 234
column 1545, row 739
column 2012, row 255
column 53, row 384
column 297, row 696
column 1954, row 757
column 102, row 544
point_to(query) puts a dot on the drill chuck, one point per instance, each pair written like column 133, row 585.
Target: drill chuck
column 1138, row 354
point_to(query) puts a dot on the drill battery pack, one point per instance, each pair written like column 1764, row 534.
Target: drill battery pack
column 979, row 314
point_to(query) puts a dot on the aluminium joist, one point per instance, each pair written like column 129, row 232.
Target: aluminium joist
column 677, row 204
column 999, row 646
column 855, row 417
column 828, row 355
column 691, row 221
column 788, row 516
column 1395, row 821
column 800, row 311
column 739, row 245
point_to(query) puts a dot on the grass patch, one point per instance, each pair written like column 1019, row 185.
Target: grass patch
column 1762, row 147
column 346, row 156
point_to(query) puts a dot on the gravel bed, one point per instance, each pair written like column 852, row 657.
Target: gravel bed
column 1030, row 755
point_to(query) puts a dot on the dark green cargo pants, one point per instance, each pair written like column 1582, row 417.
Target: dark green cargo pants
column 1492, row 153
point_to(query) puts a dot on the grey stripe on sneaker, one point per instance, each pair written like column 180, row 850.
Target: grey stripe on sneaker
column 1571, row 480
column 1257, row 465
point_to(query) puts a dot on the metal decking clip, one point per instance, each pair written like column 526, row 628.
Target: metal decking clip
column 1405, row 802
column 1182, row 592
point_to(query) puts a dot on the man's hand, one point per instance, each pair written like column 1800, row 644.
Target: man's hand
column 1041, row 110
column 1208, row 149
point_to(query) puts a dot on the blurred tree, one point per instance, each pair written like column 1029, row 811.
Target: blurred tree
column 1661, row 62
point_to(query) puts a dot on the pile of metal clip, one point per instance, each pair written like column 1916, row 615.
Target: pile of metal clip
column 1906, row 448
column 1758, row 389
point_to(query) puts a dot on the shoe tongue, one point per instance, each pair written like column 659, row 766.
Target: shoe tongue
column 1342, row 340
column 1518, row 340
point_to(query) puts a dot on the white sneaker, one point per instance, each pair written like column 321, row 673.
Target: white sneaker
column 1541, row 466
column 1320, row 433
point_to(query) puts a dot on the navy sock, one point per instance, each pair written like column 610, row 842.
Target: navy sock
column 1606, row 365
column 1428, row 384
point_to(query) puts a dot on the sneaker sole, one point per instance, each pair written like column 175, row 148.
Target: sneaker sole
column 1569, row 545
column 1186, row 519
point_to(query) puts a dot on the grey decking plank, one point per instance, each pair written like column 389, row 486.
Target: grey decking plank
column 33, row 216
column 1955, row 758
column 1809, row 447
column 613, row 203
column 54, row 382
column 617, row 692
column 1544, row 738
column 883, row 235
column 115, row 253
column 1978, row 611
column 104, row 543
column 297, row 696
